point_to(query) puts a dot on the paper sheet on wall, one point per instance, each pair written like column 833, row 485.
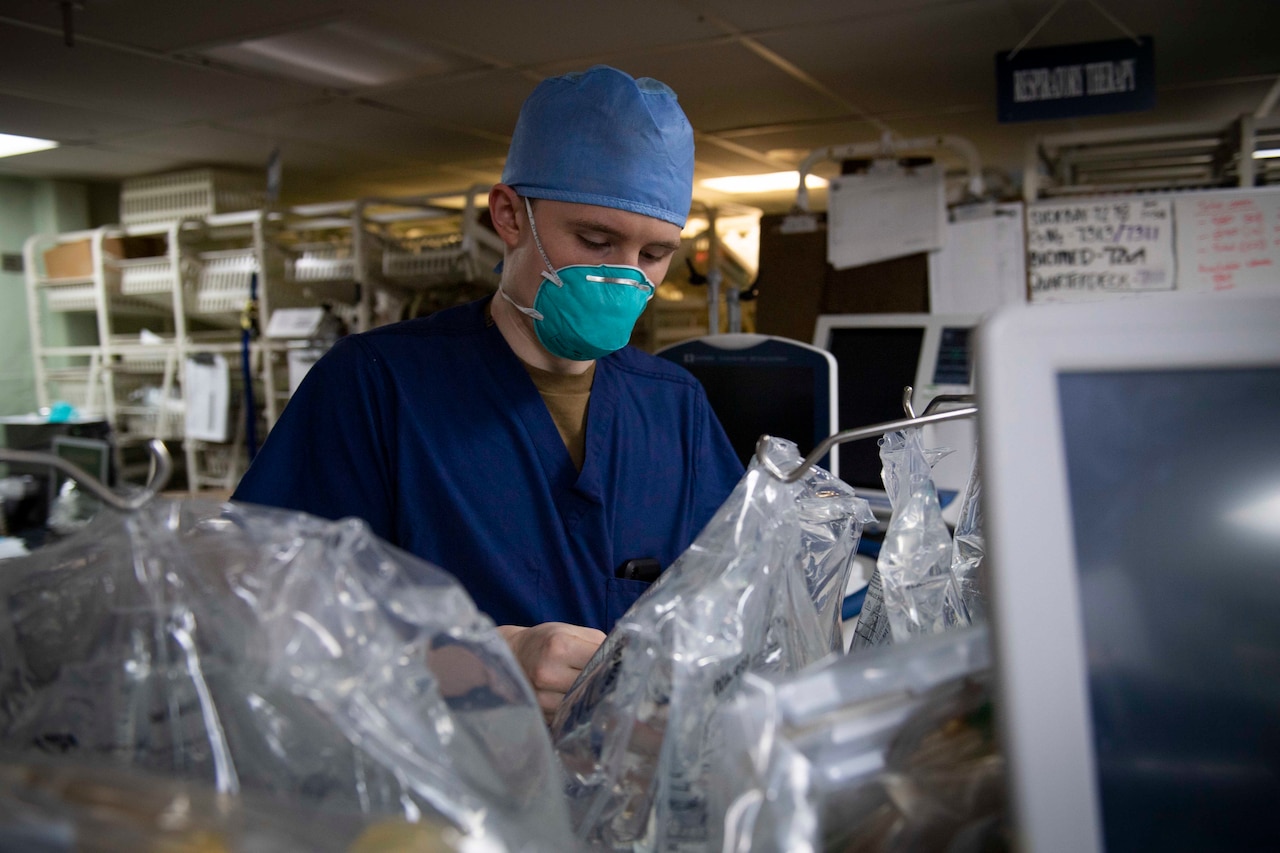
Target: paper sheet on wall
column 300, row 362
column 208, row 394
column 1096, row 248
column 1228, row 240
column 982, row 264
column 884, row 214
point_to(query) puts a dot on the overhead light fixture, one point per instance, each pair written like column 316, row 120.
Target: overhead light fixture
column 766, row 183
column 336, row 54
column 12, row 145
column 1266, row 153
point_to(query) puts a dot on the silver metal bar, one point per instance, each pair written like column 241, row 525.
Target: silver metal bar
column 873, row 431
column 948, row 400
column 159, row 476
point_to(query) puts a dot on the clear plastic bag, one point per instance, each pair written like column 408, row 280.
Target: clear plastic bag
column 55, row 807
column 831, row 519
column 872, row 627
column 632, row 733
column 279, row 654
column 970, row 547
column 889, row 750
column 920, row 592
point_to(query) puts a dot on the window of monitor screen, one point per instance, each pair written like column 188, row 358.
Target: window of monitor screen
column 875, row 364
column 89, row 455
column 952, row 366
column 1174, row 479
column 781, row 403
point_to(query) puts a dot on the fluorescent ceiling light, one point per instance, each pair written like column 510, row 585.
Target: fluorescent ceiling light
column 766, row 183
column 1266, row 153
column 337, row 54
column 693, row 226
column 11, row 145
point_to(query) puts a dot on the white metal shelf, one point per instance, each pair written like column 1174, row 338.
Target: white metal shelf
column 359, row 256
column 1161, row 157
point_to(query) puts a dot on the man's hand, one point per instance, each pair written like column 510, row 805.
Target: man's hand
column 552, row 655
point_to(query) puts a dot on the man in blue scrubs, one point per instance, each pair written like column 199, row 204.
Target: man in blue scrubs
column 517, row 442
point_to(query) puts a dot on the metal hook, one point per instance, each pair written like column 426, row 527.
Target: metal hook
column 159, row 477
column 930, row 416
column 946, row 400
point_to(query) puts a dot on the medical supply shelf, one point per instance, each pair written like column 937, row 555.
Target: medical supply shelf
column 379, row 260
column 114, row 337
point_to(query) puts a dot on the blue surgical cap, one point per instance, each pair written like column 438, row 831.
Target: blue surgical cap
column 602, row 137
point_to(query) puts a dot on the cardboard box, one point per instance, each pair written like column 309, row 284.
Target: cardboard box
column 796, row 284
column 75, row 259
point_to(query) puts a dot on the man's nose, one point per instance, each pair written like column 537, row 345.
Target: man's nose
column 625, row 256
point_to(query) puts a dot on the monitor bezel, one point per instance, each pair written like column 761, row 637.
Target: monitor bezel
column 798, row 353
column 955, row 469
column 924, row 389
column 1043, row 711
column 101, row 447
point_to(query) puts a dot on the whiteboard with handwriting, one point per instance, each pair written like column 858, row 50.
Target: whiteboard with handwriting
column 1134, row 245
column 1085, row 249
column 1228, row 240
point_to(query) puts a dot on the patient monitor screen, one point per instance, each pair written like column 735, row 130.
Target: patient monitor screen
column 1174, row 481
column 779, row 403
column 875, row 364
column 952, row 366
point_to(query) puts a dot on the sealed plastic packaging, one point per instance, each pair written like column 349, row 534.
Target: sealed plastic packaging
column 970, row 547
column 633, row 732
column 831, row 520
column 920, row 592
column 872, row 627
column 261, row 651
column 58, row 807
column 890, row 750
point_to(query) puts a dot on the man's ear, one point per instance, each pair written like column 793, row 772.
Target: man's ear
column 504, row 210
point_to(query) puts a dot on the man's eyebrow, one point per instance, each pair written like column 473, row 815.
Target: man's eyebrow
column 596, row 225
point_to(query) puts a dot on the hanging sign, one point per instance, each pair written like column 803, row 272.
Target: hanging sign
column 1094, row 78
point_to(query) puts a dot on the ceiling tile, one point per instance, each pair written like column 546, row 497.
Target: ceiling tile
column 170, row 26
column 744, row 89
column 753, row 16
column 355, row 126
column 40, row 68
column 63, row 123
column 86, row 163
column 935, row 57
column 487, row 101
column 530, row 34
column 202, row 144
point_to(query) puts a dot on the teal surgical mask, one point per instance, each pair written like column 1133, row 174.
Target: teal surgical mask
column 583, row 312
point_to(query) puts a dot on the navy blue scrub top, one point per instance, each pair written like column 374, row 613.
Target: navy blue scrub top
column 432, row 431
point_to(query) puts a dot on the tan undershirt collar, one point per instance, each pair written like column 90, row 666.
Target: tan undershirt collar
column 566, row 397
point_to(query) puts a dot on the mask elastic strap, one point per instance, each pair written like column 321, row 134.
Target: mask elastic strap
column 553, row 278
column 532, row 312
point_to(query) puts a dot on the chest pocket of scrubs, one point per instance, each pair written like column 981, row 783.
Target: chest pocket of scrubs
column 620, row 594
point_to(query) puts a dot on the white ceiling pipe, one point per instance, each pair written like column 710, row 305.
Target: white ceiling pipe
column 886, row 147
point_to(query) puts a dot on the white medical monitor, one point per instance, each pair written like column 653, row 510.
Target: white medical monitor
column 1131, row 475
column 878, row 355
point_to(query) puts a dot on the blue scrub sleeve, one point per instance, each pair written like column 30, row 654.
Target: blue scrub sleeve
column 332, row 451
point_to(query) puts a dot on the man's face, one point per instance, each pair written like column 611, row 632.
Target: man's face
column 586, row 234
